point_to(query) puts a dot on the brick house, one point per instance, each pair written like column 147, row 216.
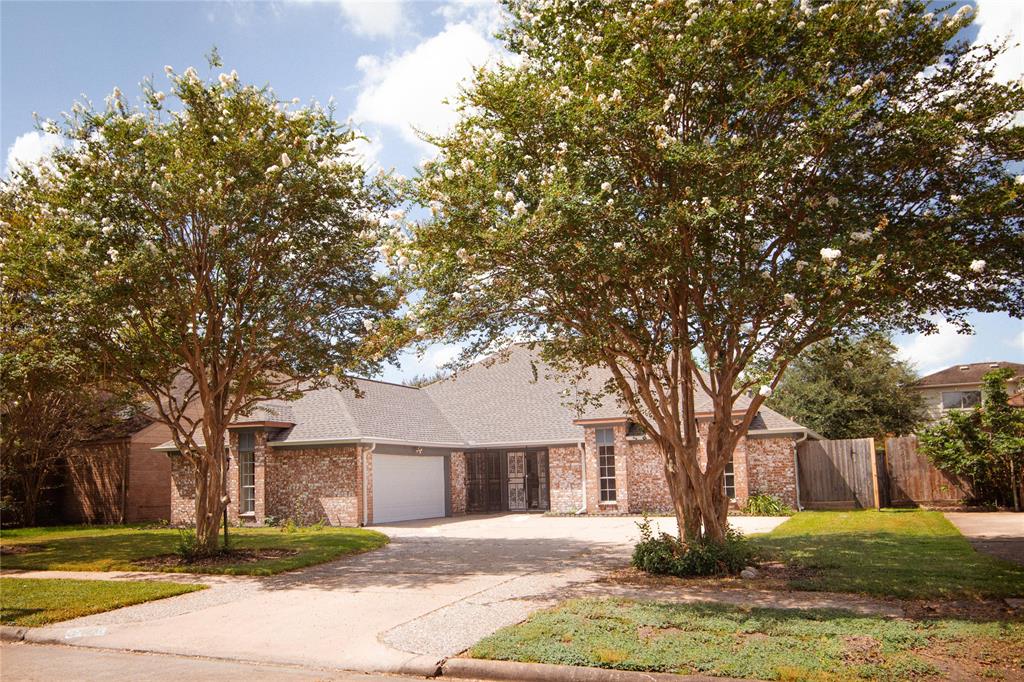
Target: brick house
column 498, row 437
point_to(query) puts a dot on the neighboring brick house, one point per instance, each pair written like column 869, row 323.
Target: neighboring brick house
column 498, row 437
column 959, row 387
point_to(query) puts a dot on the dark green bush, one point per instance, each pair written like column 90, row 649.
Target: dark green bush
column 664, row 554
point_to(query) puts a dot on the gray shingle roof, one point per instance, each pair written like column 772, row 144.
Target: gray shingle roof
column 514, row 398
column 501, row 400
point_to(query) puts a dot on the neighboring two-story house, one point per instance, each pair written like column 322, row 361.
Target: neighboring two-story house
column 959, row 387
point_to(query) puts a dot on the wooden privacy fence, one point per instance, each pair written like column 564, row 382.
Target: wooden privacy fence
column 837, row 474
column 912, row 479
column 851, row 474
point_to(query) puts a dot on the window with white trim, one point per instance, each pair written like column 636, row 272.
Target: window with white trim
column 960, row 400
column 729, row 482
column 247, row 473
column 606, row 463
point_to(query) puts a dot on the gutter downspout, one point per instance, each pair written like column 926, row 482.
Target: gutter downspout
column 367, row 453
column 796, row 468
column 583, row 476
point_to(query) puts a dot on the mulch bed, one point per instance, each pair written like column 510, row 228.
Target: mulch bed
column 229, row 558
column 771, row 576
column 8, row 550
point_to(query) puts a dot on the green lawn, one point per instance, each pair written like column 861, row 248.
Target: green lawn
column 767, row 644
column 41, row 601
column 900, row 553
column 109, row 548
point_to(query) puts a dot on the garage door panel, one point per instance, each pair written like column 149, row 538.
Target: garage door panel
column 407, row 487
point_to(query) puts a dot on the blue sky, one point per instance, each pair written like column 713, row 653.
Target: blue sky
column 388, row 64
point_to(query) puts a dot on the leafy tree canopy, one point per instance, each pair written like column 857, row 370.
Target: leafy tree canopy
column 851, row 388
column 213, row 254
column 653, row 183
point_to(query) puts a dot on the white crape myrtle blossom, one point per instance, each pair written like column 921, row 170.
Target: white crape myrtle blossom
column 765, row 391
column 367, row 324
column 978, row 265
column 619, row 246
column 790, row 300
column 519, row 209
column 830, row 256
column 606, row 186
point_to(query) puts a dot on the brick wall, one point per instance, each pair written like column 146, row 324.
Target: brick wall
column 309, row 485
column 648, row 489
column 565, row 479
column 458, row 482
column 771, row 468
column 183, row 491
column 149, row 476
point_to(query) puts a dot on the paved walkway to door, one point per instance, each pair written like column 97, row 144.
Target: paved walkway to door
column 438, row 587
column 1000, row 534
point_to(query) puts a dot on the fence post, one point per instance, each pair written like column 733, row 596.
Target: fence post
column 874, row 475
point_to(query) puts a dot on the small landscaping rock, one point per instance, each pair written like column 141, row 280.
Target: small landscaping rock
column 748, row 573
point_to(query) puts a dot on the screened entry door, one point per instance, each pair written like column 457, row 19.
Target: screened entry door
column 483, row 481
column 528, row 480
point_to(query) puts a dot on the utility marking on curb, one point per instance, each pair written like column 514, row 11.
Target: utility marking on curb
column 75, row 633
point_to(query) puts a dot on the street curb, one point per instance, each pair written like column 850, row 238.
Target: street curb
column 421, row 666
column 10, row 633
column 509, row 671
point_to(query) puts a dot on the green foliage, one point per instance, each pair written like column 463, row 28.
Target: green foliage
column 908, row 554
column 117, row 548
column 289, row 526
column 652, row 187
column 764, row 504
column 983, row 446
column 32, row 602
column 851, row 388
column 212, row 248
column 665, row 554
column 749, row 643
column 188, row 547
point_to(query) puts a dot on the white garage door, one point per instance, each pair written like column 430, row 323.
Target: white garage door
column 407, row 487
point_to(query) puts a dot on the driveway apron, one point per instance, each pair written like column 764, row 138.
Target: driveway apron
column 438, row 587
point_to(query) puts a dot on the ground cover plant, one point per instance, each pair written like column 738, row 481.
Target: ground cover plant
column 759, row 643
column 109, row 548
column 31, row 602
column 897, row 553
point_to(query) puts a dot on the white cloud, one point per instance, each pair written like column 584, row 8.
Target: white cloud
column 30, row 148
column 997, row 20
column 932, row 352
column 374, row 18
column 408, row 92
column 486, row 16
column 442, row 355
column 1018, row 341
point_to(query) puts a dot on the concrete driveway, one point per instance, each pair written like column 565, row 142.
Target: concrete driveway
column 437, row 588
column 1000, row 534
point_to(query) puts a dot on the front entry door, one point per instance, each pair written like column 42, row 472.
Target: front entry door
column 483, row 482
column 517, row 481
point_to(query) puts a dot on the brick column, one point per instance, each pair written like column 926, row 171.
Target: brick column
column 458, row 482
column 260, row 469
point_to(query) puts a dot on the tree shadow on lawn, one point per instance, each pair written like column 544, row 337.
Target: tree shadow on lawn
column 892, row 564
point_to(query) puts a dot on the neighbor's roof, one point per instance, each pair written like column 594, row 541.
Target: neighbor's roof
column 965, row 374
column 510, row 399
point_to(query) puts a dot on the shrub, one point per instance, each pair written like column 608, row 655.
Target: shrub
column 664, row 554
column 763, row 504
column 289, row 526
column 271, row 520
column 188, row 546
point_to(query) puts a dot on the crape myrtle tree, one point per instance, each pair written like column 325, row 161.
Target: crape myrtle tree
column 212, row 255
column 657, row 187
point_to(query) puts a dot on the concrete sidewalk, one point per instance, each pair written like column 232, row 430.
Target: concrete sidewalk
column 1000, row 534
column 437, row 588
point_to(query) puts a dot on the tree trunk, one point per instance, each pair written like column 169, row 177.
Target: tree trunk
column 31, row 491
column 210, row 501
column 700, row 506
